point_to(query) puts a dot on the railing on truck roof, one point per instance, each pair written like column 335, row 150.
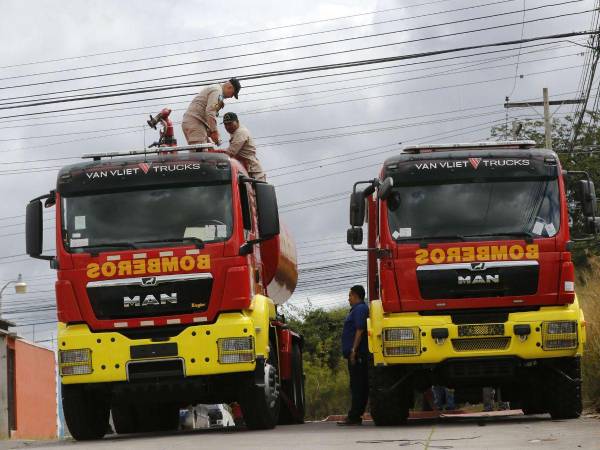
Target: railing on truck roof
column 424, row 148
column 149, row 151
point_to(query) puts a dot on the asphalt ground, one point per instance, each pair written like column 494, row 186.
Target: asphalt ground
column 475, row 431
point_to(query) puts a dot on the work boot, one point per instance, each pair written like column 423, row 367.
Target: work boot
column 348, row 422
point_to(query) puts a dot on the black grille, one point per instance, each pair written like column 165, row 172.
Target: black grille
column 159, row 369
column 465, row 283
column 164, row 299
column 487, row 368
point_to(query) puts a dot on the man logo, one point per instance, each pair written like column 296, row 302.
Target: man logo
column 478, row 279
column 149, row 281
column 478, row 266
column 150, row 300
column 475, row 162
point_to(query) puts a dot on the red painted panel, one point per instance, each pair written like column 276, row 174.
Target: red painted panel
column 35, row 392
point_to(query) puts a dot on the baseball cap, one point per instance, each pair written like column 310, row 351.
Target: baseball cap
column 230, row 117
column 236, row 86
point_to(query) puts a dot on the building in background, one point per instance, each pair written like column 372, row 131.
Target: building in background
column 28, row 406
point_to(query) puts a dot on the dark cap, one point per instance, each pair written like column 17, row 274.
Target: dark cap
column 236, row 86
column 230, row 117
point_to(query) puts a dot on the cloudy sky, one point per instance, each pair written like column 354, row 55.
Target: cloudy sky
column 318, row 132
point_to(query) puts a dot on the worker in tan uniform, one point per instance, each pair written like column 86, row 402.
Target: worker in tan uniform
column 241, row 146
column 200, row 120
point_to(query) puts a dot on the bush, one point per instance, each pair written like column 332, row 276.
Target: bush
column 327, row 390
column 327, row 385
column 588, row 292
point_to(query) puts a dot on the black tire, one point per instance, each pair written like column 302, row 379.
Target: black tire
column 125, row 419
column 145, row 418
column 564, row 390
column 388, row 408
column 294, row 389
column 86, row 409
column 532, row 398
column 260, row 402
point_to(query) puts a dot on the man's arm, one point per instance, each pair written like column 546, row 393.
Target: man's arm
column 355, row 344
column 238, row 140
column 360, row 322
column 212, row 108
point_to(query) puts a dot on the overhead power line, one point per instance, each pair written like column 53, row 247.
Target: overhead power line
column 544, row 47
column 341, row 65
column 295, row 36
column 242, row 33
column 312, row 56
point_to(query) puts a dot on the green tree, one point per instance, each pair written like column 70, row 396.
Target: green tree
column 326, row 376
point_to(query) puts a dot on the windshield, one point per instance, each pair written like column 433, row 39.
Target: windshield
column 131, row 218
column 469, row 210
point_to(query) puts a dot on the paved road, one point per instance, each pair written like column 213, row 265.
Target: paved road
column 515, row 432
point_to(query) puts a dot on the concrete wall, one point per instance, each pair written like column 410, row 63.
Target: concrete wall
column 3, row 388
column 35, row 392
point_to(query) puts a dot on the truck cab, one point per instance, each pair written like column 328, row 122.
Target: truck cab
column 470, row 276
column 170, row 267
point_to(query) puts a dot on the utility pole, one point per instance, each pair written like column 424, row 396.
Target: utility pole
column 547, row 122
column 546, row 103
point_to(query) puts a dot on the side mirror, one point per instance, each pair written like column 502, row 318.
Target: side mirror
column 34, row 236
column 386, row 188
column 586, row 194
column 267, row 210
column 357, row 209
column 354, row 236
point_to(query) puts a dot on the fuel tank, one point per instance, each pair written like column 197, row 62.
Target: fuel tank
column 280, row 269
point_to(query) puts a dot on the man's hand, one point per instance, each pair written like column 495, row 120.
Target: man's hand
column 352, row 357
column 215, row 137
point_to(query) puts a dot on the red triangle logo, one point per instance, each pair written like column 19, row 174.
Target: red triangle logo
column 475, row 162
column 145, row 167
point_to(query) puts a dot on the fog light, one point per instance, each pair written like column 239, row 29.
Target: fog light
column 236, row 350
column 80, row 369
column 559, row 335
column 401, row 341
column 80, row 355
column 398, row 334
column 75, row 362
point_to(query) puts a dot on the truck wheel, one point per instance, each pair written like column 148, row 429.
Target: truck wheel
column 125, row 419
column 388, row 408
column 294, row 390
column 86, row 409
column 564, row 390
column 260, row 401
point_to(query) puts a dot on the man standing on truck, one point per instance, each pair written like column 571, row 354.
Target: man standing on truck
column 241, row 146
column 200, row 120
column 355, row 349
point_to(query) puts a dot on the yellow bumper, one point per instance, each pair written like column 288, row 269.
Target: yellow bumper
column 196, row 345
column 431, row 351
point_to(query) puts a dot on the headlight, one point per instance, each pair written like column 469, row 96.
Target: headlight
column 559, row 335
column 401, row 341
column 236, row 350
column 75, row 362
column 561, row 327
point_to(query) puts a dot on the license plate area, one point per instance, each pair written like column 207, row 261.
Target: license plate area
column 481, row 329
column 153, row 350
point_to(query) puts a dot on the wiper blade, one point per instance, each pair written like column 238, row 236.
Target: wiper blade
column 527, row 234
column 199, row 243
column 109, row 244
column 425, row 238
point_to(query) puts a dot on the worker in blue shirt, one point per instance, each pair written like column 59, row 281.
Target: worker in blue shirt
column 355, row 349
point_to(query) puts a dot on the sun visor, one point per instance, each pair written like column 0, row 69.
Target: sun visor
column 461, row 168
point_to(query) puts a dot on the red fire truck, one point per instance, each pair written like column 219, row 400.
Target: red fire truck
column 470, row 276
column 171, row 264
